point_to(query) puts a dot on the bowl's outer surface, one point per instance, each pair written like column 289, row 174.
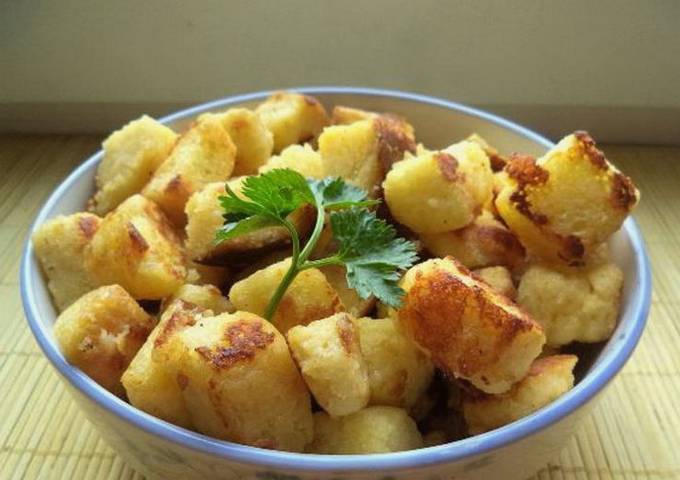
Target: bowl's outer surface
column 161, row 450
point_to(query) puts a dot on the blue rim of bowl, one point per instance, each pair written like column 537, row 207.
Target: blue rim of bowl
column 596, row 379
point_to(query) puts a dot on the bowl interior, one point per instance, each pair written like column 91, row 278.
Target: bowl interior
column 438, row 123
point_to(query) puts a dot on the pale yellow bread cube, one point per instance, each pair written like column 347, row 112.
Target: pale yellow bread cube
column 240, row 382
column 205, row 217
column 203, row 154
column 309, row 297
column 364, row 151
column 292, row 118
column 371, row 430
column 548, row 379
column 436, row 192
column 578, row 306
column 150, row 382
column 399, row 371
column 59, row 245
column 328, row 353
column 131, row 156
column 471, row 331
column 253, row 141
column 300, row 158
column 483, row 243
column 136, row 247
column 206, row 296
column 500, row 279
column 101, row 332
column 566, row 203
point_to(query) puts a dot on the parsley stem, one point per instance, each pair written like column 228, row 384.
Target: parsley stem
column 322, row 262
column 290, row 275
column 316, row 233
column 298, row 260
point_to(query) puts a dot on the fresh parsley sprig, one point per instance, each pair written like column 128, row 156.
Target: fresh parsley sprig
column 367, row 246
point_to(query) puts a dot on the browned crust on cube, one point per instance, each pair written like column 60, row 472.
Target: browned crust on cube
column 623, row 194
column 594, row 154
column 88, row 225
column 137, row 240
column 501, row 241
column 245, row 338
column 525, row 171
column 393, row 140
column 573, row 249
column 435, row 306
column 497, row 161
column 346, row 332
column 183, row 316
column 448, row 167
column 522, row 204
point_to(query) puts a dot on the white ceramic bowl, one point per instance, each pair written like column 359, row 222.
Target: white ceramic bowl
column 162, row 450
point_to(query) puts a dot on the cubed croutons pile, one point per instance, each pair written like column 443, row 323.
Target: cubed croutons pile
column 514, row 269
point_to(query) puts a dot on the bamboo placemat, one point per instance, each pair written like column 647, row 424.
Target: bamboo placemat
column 633, row 433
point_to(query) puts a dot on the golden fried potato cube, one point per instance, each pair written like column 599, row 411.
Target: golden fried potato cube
column 470, row 331
column 566, row 203
column 328, row 354
column 59, row 245
column 548, row 378
column 292, row 118
column 336, row 275
column 578, row 306
column 498, row 278
column 309, row 297
column 150, row 382
column 240, row 382
column 342, row 115
column 203, row 154
column 301, row 158
column 101, row 332
column 496, row 160
column 364, row 151
column 199, row 274
column 399, row 372
column 253, row 141
column 206, row 296
column 437, row 192
column 483, row 243
column 205, row 217
column 474, row 164
column 371, row 430
column 131, row 156
column 136, row 247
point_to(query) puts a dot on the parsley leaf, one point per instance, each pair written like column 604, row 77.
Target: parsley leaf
column 368, row 246
column 269, row 199
column 278, row 192
column 372, row 254
column 237, row 228
column 335, row 193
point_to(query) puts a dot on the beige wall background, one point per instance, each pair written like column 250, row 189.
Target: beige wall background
column 609, row 66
